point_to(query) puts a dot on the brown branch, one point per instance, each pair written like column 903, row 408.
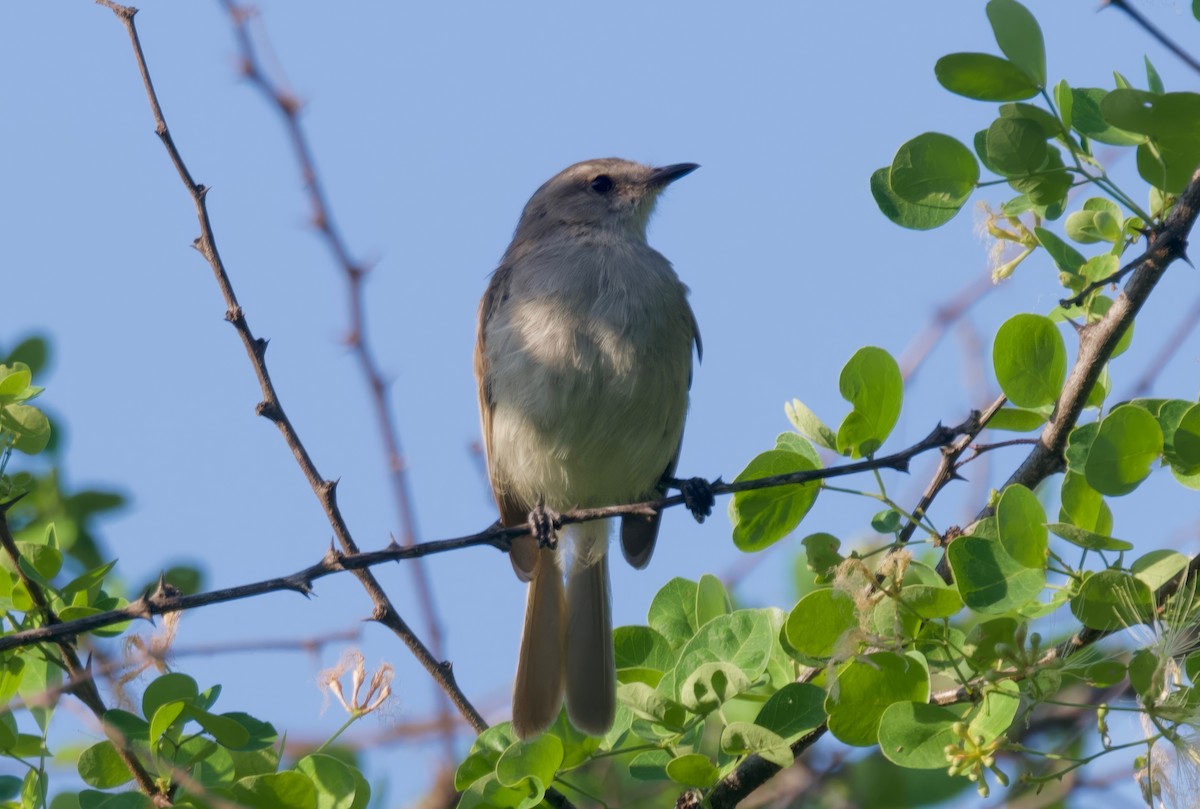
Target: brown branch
column 161, row 602
column 354, row 273
column 1155, row 32
column 82, row 683
column 271, row 408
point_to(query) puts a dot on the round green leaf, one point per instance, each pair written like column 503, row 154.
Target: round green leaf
column 1019, row 37
column 1015, row 146
column 1016, row 420
column 866, row 687
column 818, row 620
column 1021, row 524
column 762, row 517
column 1030, row 360
column 284, row 790
column 1112, row 599
column 710, row 686
column 334, row 782
column 1163, row 116
column 169, row 687
column 673, row 611
column 907, row 214
column 995, row 714
column 1088, row 120
column 871, row 382
column 1127, row 444
column 712, row 599
column 641, row 654
column 988, row 579
column 744, row 638
column 1185, row 442
column 101, row 766
column 792, row 711
column 693, row 770
column 1158, row 567
column 746, row 738
column 984, row 77
column 935, row 170
column 916, row 734
column 650, row 765
column 930, row 602
column 537, row 758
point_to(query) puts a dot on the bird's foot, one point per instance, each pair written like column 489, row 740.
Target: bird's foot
column 541, row 524
column 697, row 496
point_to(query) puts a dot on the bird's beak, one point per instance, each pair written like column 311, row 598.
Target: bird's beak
column 665, row 175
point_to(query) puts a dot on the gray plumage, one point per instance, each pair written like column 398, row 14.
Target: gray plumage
column 583, row 359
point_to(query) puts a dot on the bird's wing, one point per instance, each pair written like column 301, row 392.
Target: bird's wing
column 524, row 549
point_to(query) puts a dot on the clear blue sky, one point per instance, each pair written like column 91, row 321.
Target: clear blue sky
column 432, row 124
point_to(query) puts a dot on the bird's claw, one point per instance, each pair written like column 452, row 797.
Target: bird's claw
column 697, row 496
column 541, row 524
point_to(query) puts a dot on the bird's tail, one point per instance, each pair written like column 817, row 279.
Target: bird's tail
column 591, row 674
column 538, row 688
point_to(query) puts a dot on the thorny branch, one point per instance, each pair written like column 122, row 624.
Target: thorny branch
column 271, row 407
column 161, row 602
column 355, row 274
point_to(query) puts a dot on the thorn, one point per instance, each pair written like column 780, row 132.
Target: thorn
column 392, row 545
column 260, row 346
column 333, row 557
column 269, row 411
column 201, row 190
column 4, row 507
column 233, row 314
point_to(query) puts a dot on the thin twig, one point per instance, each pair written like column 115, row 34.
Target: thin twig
column 271, row 408
column 1170, row 347
column 1155, row 32
column 161, row 602
column 943, row 318
column 354, row 272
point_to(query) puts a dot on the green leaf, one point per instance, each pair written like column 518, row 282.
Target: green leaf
column 262, row 734
column 904, row 213
column 163, row 719
column 168, row 688
column 650, row 765
column 793, row 711
column 1065, row 257
column 712, row 599
column 30, row 427
column 1158, row 567
column 1048, row 188
column 871, row 382
column 743, row 638
column 996, row 713
column 934, row 169
column 485, row 752
column 984, row 77
column 651, row 704
column 1127, row 444
column 916, row 734
column 988, row 579
column 1019, row 37
column 334, row 781
column 1112, row 599
column 1021, row 523
column 693, row 770
column 284, row 790
column 1168, row 116
column 1016, row 420
column 866, row 686
column 821, row 554
column 101, row 766
column 1184, row 450
column 537, row 758
column 673, row 611
column 1088, row 120
column 489, row 793
column 1046, row 122
column 931, row 602
column 712, row 685
column 642, row 655
column 1015, row 146
column 762, row 517
column 1087, row 539
column 1030, row 360
column 987, row 639
column 228, row 732
column 818, row 620
column 809, row 425
column 746, row 738
column 1153, row 80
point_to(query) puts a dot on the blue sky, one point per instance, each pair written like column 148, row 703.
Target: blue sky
column 432, row 124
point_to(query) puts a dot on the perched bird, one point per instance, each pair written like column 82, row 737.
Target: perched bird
column 584, row 360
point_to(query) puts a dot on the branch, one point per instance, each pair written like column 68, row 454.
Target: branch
column 1155, row 32
column 271, row 407
column 355, row 274
column 82, row 683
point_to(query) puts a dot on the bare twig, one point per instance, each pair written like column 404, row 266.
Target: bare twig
column 161, row 602
column 82, row 683
column 354, row 272
column 943, row 318
column 1155, row 32
column 1170, row 347
column 271, row 407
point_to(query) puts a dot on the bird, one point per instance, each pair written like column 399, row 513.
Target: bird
column 583, row 359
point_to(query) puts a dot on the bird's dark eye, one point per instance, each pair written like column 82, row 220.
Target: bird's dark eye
column 602, row 184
